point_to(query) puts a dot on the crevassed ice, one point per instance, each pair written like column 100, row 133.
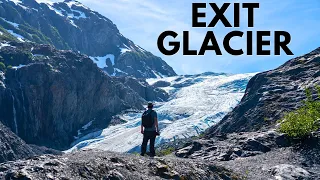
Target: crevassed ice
column 196, row 103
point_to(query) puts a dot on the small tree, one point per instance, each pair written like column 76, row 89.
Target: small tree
column 2, row 66
column 303, row 121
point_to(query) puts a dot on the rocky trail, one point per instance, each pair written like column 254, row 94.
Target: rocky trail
column 259, row 155
column 95, row 164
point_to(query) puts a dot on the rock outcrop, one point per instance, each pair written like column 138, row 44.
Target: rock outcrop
column 149, row 93
column 73, row 26
column 107, row 165
column 46, row 95
column 246, row 139
column 272, row 93
column 13, row 148
column 233, row 146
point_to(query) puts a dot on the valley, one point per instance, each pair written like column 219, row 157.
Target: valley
column 73, row 88
column 196, row 102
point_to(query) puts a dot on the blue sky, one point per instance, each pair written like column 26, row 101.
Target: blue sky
column 143, row 20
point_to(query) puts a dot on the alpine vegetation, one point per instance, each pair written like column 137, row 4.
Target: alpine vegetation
column 303, row 121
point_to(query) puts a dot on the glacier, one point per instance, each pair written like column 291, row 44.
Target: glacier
column 196, row 102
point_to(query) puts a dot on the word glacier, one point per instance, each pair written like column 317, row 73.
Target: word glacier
column 280, row 39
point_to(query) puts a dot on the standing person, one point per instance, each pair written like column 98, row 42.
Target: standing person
column 149, row 129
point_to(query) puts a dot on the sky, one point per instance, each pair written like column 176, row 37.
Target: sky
column 143, row 21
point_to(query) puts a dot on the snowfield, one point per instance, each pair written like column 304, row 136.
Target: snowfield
column 196, row 103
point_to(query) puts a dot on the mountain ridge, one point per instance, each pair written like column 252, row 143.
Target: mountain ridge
column 47, row 95
column 71, row 25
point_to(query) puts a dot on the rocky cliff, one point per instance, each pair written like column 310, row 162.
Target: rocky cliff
column 13, row 148
column 47, row 95
column 71, row 25
column 270, row 94
column 246, row 139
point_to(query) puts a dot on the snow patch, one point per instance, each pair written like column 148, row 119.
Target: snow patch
column 18, row 36
column 73, row 24
column 124, row 50
column 16, row 1
column 18, row 67
column 5, row 45
column 156, row 74
column 12, row 23
column 118, row 70
column 85, row 127
column 75, row 3
column 54, row 9
column 101, row 61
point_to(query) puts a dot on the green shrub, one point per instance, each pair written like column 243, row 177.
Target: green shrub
column 303, row 121
column 2, row 66
column 166, row 151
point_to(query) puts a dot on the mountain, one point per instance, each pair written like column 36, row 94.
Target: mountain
column 70, row 25
column 247, row 141
column 270, row 94
column 47, row 95
column 195, row 103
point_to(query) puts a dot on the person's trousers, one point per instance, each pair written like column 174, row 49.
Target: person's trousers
column 148, row 135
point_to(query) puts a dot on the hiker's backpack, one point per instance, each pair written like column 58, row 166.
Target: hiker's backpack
column 147, row 120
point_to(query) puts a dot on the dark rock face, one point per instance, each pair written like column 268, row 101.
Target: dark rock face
column 270, row 94
column 13, row 148
column 71, row 25
column 233, row 146
column 54, row 93
column 146, row 91
column 161, row 84
column 106, row 165
column 259, row 155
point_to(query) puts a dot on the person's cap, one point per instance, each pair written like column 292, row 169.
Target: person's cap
column 150, row 104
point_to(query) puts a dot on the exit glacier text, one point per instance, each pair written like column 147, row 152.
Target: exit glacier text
column 281, row 39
